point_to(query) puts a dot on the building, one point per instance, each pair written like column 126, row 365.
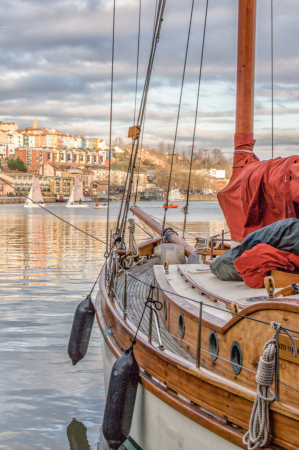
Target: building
column 9, row 126
column 6, row 190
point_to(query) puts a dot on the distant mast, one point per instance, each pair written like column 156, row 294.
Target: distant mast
column 245, row 75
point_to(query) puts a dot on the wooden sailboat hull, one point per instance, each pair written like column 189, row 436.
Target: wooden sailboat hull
column 161, row 417
column 212, row 403
column 157, row 424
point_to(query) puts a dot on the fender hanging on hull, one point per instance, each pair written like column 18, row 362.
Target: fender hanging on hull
column 121, row 398
column 81, row 330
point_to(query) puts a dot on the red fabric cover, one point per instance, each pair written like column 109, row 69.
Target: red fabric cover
column 259, row 193
column 255, row 264
column 244, row 141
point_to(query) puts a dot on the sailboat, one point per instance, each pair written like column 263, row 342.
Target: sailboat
column 217, row 359
column 76, row 195
column 35, row 195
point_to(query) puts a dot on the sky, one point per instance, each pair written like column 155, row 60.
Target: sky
column 55, row 64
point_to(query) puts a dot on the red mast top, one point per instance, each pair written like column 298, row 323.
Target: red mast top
column 245, row 75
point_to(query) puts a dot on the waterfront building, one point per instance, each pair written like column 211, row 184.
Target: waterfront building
column 9, row 126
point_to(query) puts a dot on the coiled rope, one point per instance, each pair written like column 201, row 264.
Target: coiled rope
column 259, row 424
column 132, row 240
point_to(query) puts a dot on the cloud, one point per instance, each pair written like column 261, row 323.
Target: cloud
column 55, row 63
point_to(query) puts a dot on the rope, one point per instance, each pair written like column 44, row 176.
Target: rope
column 55, row 215
column 132, row 240
column 259, row 424
column 195, row 121
column 178, row 115
column 110, row 134
column 150, row 303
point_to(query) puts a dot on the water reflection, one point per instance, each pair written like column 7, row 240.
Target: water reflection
column 76, row 434
column 46, row 269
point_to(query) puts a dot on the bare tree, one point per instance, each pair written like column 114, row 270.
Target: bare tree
column 118, row 142
column 161, row 146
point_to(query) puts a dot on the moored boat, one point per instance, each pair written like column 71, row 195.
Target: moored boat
column 218, row 359
column 35, row 196
column 76, row 195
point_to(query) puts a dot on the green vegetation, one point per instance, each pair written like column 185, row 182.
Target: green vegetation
column 16, row 164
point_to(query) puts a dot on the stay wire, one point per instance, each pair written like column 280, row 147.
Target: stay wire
column 53, row 214
column 272, row 78
column 160, row 11
column 178, row 116
column 137, row 62
column 110, row 131
column 195, row 120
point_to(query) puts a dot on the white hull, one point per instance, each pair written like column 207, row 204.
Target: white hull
column 157, row 425
column 100, row 207
column 77, row 206
column 35, row 206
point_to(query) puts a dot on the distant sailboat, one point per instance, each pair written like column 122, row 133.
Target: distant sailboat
column 76, row 195
column 35, row 195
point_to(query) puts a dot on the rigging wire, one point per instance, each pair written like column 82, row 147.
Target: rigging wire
column 185, row 209
column 178, row 115
column 53, row 214
column 110, row 134
column 137, row 62
column 135, row 148
column 272, row 90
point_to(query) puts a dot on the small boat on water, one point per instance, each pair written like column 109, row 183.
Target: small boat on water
column 76, row 196
column 171, row 206
column 61, row 199
column 35, row 195
column 103, row 206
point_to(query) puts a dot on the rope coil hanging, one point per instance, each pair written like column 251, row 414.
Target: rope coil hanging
column 259, row 424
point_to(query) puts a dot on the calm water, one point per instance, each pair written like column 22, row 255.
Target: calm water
column 46, row 269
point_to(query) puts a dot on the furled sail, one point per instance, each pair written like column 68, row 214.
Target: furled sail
column 259, row 193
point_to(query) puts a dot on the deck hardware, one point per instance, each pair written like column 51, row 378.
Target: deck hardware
column 213, row 345
column 181, row 326
column 198, row 348
column 236, row 357
column 166, row 266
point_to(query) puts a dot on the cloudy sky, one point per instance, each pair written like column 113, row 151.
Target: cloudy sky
column 55, row 64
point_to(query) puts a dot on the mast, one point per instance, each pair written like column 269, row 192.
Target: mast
column 245, row 75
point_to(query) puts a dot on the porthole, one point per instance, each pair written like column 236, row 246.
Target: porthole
column 213, row 345
column 236, row 358
column 181, row 326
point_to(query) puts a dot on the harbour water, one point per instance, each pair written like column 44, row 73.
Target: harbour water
column 46, row 269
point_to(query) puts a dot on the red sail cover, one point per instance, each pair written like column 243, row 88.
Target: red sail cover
column 259, row 193
column 255, row 264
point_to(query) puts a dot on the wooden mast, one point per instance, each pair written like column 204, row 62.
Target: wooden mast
column 245, row 75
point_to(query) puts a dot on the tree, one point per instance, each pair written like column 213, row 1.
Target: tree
column 161, row 146
column 16, row 164
column 11, row 164
column 118, row 142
